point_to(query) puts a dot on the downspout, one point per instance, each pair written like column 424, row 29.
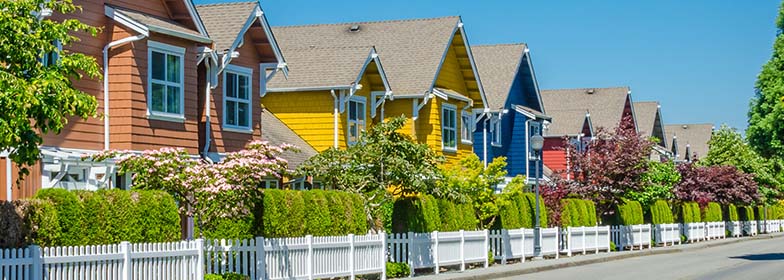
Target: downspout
column 8, row 180
column 335, row 119
column 484, row 140
column 528, row 148
column 207, row 109
column 106, row 83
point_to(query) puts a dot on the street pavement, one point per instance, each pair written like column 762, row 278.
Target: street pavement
column 753, row 259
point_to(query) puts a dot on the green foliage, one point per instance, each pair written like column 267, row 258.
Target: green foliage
column 577, row 212
column 397, row 270
column 37, row 99
column 287, row 213
column 732, row 213
column 690, row 213
column 426, row 214
column 517, row 209
column 456, row 216
column 69, row 215
column 29, row 221
column 761, row 214
column 613, row 247
column 775, row 211
column 747, row 213
column 661, row 213
column 629, row 213
column 712, row 213
column 490, row 257
column 659, row 180
column 470, row 181
column 213, row 277
column 226, row 276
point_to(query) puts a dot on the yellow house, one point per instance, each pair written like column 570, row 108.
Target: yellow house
column 429, row 66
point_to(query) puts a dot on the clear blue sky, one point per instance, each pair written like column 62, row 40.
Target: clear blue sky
column 698, row 58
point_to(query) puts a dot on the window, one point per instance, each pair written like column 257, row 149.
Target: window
column 237, row 109
column 356, row 118
column 449, row 127
column 466, row 127
column 165, row 81
column 51, row 58
column 534, row 128
column 495, row 131
column 269, row 184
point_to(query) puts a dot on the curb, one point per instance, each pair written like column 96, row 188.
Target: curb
column 610, row 257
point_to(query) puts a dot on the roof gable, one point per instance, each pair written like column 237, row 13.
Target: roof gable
column 649, row 121
column 498, row 67
column 606, row 106
column 144, row 23
column 327, row 68
column 695, row 136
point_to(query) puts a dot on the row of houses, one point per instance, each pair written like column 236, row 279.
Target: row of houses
column 212, row 78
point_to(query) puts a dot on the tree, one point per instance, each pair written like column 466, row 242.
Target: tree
column 471, row 182
column 724, row 184
column 658, row 182
column 384, row 164
column 38, row 98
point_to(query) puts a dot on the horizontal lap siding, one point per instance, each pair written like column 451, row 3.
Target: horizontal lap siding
column 308, row 114
column 450, row 77
column 517, row 154
column 553, row 155
column 26, row 188
column 400, row 107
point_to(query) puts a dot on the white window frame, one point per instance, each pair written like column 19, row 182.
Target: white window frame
column 248, row 73
column 363, row 122
column 270, row 184
column 495, row 131
column 466, row 127
column 376, row 98
column 166, row 49
column 448, row 108
column 532, row 126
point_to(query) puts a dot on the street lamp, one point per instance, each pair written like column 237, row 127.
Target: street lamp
column 537, row 142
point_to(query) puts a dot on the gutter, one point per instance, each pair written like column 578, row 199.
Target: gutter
column 106, row 82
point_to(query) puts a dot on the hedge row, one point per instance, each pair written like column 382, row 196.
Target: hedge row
column 577, row 212
column 731, row 213
column 712, row 213
column 661, row 213
column 746, row 213
column 629, row 213
column 519, row 211
column 690, row 212
column 775, row 212
column 424, row 213
column 57, row 217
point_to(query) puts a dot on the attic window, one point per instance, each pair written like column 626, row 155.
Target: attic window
column 354, row 28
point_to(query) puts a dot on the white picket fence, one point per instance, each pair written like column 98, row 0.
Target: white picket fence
column 694, row 231
column 749, row 228
column 715, row 230
column 437, row 249
column 735, row 228
column 773, row 226
column 632, row 236
column 667, row 233
column 124, row 261
column 586, row 239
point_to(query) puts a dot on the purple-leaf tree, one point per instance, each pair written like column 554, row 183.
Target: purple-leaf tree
column 721, row 183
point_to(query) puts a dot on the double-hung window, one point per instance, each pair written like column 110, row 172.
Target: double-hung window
column 357, row 106
column 466, row 127
column 237, row 109
column 495, row 129
column 534, row 128
column 449, row 127
column 165, row 81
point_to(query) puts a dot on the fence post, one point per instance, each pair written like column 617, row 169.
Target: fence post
column 125, row 247
column 568, row 241
column 557, row 238
column 408, row 253
column 462, row 250
column 487, row 247
column 522, row 245
column 261, row 259
column 383, row 255
column 435, row 252
column 582, row 228
column 504, row 240
column 596, row 239
column 352, row 255
column 199, row 258
column 309, row 239
column 37, row 267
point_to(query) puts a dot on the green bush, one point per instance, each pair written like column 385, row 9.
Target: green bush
column 661, row 213
column 531, row 199
column 456, row 216
column 712, row 213
column 732, row 213
column 746, row 213
column 397, row 270
column 416, row 214
column 28, row 221
column 213, row 277
column 226, row 276
column 690, row 213
column 510, row 215
column 629, row 213
column 775, row 212
column 290, row 213
column 760, row 214
column 69, row 216
column 577, row 212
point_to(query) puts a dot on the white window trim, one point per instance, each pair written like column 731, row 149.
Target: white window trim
column 376, row 98
column 170, row 50
column 495, row 127
column 448, row 107
column 269, row 182
column 244, row 71
column 358, row 99
column 469, row 126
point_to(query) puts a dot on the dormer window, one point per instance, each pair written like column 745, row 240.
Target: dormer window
column 237, row 98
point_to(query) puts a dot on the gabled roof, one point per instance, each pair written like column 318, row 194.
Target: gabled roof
column 412, row 49
column 696, row 136
column 605, row 105
column 567, row 122
column 274, row 131
column 498, row 65
column 145, row 23
column 649, row 121
column 325, row 68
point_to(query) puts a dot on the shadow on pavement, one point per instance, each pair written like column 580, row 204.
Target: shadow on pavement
column 761, row 257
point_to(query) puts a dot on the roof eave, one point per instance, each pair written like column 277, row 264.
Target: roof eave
column 313, row 88
column 178, row 34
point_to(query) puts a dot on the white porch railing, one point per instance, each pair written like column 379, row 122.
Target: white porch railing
column 632, row 236
column 437, row 249
column 735, row 228
column 749, row 228
column 694, row 231
column 586, row 239
column 715, row 230
column 667, row 233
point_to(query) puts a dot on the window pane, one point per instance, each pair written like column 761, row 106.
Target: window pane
column 243, row 87
column 352, row 110
column 231, row 113
column 173, row 68
column 242, row 114
column 231, row 85
column 361, row 111
column 173, row 100
column 157, row 65
column 158, row 92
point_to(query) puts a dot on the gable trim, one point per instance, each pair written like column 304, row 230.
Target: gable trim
column 530, row 62
column 459, row 27
column 196, row 18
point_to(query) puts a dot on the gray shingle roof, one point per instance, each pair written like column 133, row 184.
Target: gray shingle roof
column 649, row 122
column 565, row 122
column 319, row 67
column 153, row 21
column 411, row 49
column 694, row 135
column 497, row 66
column 274, row 131
column 605, row 105
column 224, row 21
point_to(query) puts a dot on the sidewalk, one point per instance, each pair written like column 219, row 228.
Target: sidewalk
column 509, row 270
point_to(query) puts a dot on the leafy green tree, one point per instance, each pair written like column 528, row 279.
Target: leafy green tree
column 35, row 97
column 385, row 164
column 658, row 182
column 471, row 182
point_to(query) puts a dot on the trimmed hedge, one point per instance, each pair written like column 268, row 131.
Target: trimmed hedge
column 531, row 199
column 578, row 212
column 732, row 213
column 690, row 212
column 290, row 213
column 661, row 213
column 746, row 213
column 69, row 216
column 456, row 216
column 760, row 213
column 24, row 222
column 629, row 213
column 520, row 212
column 712, row 213
column 424, row 213
column 775, row 212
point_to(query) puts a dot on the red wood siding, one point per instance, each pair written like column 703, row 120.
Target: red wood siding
column 553, row 154
column 28, row 186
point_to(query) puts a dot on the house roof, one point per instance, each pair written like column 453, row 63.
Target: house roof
column 696, row 136
column 225, row 21
column 274, row 131
column 649, row 120
column 412, row 50
column 154, row 24
column 497, row 66
column 605, row 105
column 566, row 122
column 312, row 67
column 532, row 113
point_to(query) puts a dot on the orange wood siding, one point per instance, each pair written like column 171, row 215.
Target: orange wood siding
column 28, row 186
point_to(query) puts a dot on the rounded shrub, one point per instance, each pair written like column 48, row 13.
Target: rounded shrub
column 661, row 213
column 732, row 213
column 577, row 212
column 456, row 216
column 509, row 212
column 629, row 213
column 690, row 212
column 416, row 214
column 531, row 199
column 712, row 212
column 69, row 215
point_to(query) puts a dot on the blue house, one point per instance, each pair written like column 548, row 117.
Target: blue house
column 515, row 111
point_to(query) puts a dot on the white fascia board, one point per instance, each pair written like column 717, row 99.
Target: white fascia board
column 274, row 43
column 295, row 89
column 126, row 21
column 473, row 63
column 178, row 34
column 196, row 18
